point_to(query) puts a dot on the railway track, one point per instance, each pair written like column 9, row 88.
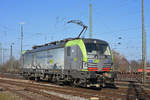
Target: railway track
column 67, row 92
column 55, row 92
column 27, row 92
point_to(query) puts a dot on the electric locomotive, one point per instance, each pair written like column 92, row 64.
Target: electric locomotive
column 78, row 61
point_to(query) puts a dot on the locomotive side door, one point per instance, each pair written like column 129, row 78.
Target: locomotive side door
column 67, row 58
column 73, row 57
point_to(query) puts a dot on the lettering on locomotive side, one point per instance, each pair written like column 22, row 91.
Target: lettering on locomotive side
column 45, row 56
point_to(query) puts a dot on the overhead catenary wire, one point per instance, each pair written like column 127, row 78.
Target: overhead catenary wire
column 123, row 30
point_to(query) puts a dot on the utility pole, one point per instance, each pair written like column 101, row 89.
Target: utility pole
column 11, row 56
column 143, row 45
column 11, row 47
column 90, row 19
column 1, row 53
column 21, row 42
column 21, row 37
column 4, row 50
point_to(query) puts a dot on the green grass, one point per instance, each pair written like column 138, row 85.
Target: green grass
column 9, row 96
column 5, row 96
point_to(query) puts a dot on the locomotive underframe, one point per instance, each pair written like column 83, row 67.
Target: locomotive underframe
column 71, row 77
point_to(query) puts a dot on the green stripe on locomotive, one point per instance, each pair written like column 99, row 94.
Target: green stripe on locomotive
column 81, row 44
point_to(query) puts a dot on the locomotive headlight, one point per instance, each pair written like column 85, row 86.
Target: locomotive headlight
column 107, row 75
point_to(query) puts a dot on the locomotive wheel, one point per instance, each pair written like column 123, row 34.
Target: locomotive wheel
column 75, row 83
column 37, row 79
column 26, row 77
column 49, row 79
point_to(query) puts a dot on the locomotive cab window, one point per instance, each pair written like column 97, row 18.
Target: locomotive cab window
column 68, row 51
column 102, row 49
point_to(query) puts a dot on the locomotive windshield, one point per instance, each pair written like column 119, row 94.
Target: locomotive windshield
column 102, row 49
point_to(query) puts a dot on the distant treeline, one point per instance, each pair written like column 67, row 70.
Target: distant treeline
column 12, row 65
column 121, row 64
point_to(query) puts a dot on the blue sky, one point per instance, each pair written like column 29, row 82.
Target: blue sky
column 45, row 21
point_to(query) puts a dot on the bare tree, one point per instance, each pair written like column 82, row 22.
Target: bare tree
column 11, row 65
column 121, row 64
column 134, row 65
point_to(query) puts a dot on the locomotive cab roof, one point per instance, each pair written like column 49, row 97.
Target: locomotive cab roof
column 89, row 40
column 86, row 40
column 61, row 43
